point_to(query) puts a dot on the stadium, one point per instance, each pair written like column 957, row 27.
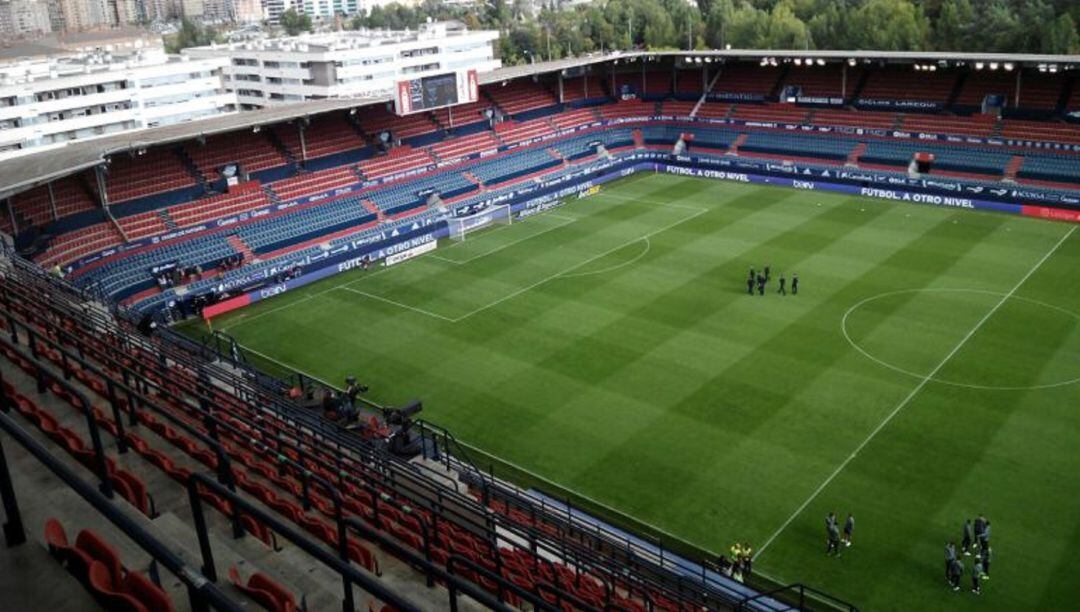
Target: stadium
column 571, row 395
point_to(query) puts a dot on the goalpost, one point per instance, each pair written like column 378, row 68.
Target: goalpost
column 493, row 215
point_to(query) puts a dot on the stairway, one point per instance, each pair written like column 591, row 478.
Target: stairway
column 734, row 148
column 472, row 178
column 1012, row 168
column 280, row 146
column 1066, row 93
column 270, row 193
column 774, row 92
column 192, row 169
column 373, row 209
column 855, row 154
column 898, row 123
column 857, row 91
column 238, row 245
column 163, row 214
column 995, row 130
column 957, row 88
column 639, row 139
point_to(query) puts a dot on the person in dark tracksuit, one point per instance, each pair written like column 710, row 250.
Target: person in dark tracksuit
column 794, row 284
column 968, row 539
column 750, row 285
column 986, row 556
column 767, row 277
column 834, row 540
column 761, row 284
column 979, row 527
column 782, row 290
column 956, row 572
column 976, row 573
column 950, row 556
column 849, row 526
column 984, row 538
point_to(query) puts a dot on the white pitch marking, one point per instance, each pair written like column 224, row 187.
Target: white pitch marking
column 396, row 303
column 505, row 246
column 577, row 265
column 914, row 392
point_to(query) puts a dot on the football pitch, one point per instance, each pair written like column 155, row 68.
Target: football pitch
column 927, row 371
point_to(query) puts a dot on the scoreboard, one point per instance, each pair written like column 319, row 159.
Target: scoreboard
column 436, row 91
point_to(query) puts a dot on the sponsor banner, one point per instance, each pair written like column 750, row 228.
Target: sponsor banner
column 1057, row 214
column 872, row 192
column 226, row 306
column 898, row 104
column 724, row 96
column 397, row 258
column 819, row 100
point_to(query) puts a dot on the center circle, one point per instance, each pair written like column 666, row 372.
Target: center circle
column 963, row 303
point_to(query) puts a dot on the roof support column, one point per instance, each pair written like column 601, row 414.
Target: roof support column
column 52, row 201
column 11, row 216
column 303, row 142
column 103, row 194
column 560, row 87
column 1016, row 102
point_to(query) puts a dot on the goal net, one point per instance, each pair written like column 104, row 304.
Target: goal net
column 493, row 215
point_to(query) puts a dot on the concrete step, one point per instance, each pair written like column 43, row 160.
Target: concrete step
column 31, row 579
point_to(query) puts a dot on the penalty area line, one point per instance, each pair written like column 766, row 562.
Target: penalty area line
column 907, row 399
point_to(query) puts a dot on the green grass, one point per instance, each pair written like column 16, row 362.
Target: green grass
column 609, row 346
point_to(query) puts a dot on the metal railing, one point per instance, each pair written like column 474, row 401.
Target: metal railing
column 202, row 592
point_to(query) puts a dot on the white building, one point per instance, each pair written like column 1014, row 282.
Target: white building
column 347, row 64
column 48, row 102
column 24, row 18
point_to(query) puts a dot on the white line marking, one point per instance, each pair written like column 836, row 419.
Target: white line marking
column 347, row 284
column 505, row 246
column 396, row 303
column 283, row 364
column 643, row 253
column 632, row 199
column 914, row 392
column 577, row 265
column 248, row 319
column 895, row 368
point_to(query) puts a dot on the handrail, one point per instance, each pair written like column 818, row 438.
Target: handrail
column 101, row 467
column 201, row 590
column 224, row 459
column 802, row 590
column 33, row 337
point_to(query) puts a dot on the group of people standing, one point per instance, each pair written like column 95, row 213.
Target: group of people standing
column 975, row 542
column 833, row 538
column 741, row 563
column 759, row 279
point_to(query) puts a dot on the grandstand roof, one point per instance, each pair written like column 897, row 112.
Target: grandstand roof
column 21, row 173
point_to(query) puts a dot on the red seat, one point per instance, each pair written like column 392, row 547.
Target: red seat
column 101, row 585
column 149, row 594
column 362, row 556
column 264, row 590
column 100, row 550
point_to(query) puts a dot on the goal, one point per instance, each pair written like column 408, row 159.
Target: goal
column 492, row 215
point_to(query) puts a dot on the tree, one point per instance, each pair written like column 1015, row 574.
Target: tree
column 192, row 34
column 889, row 25
column 1061, row 37
column 295, row 22
column 954, row 30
